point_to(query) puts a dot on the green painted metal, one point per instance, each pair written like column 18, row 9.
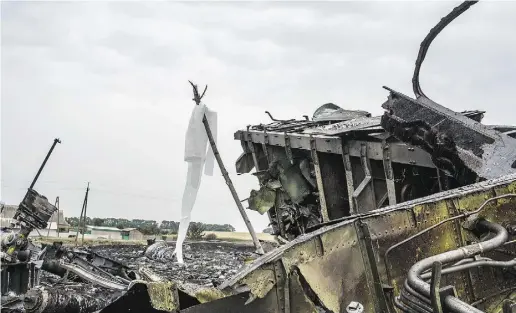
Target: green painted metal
column 339, row 266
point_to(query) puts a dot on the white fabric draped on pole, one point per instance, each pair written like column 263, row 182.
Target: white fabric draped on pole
column 198, row 153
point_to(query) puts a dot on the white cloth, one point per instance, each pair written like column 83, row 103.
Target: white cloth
column 197, row 155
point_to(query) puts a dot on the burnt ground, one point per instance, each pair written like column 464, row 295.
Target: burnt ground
column 205, row 263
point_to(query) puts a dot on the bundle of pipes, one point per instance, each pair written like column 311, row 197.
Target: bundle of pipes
column 42, row 300
column 161, row 251
column 421, row 296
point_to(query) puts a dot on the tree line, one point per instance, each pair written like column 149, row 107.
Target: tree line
column 147, row 227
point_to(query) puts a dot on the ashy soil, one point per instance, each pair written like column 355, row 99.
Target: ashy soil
column 205, row 263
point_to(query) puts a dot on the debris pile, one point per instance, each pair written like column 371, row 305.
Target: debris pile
column 206, row 263
column 371, row 212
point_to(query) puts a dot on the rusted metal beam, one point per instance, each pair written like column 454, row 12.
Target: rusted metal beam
column 365, row 189
column 265, row 147
column 389, row 173
column 349, row 177
column 250, row 145
column 400, row 152
column 319, row 180
column 288, row 148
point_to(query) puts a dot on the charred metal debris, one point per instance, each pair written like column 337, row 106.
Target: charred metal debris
column 344, row 162
column 54, row 278
column 411, row 211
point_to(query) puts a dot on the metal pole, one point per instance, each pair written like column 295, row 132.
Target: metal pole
column 256, row 242
column 79, row 224
column 82, row 213
column 50, row 224
column 57, row 205
column 85, row 209
column 56, row 141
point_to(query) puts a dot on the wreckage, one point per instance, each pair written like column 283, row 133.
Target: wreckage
column 409, row 212
column 344, row 162
column 412, row 211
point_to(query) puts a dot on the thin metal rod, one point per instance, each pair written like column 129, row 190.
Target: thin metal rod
column 85, row 212
column 57, row 205
column 79, row 224
column 82, row 213
column 50, row 224
column 484, row 299
column 56, row 141
column 216, row 153
column 435, row 287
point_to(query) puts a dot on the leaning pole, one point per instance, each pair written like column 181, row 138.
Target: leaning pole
column 197, row 98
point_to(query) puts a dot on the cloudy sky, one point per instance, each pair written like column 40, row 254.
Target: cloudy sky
column 111, row 80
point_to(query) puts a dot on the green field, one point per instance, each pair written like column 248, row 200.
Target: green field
column 240, row 236
column 223, row 236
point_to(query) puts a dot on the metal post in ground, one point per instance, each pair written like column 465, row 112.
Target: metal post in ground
column 85, row 212
column 81, row 217
column 50, row 223
column 57, row 226
column 197, row 98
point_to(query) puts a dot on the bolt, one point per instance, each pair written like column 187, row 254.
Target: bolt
column 32, row 300
column 355, row 307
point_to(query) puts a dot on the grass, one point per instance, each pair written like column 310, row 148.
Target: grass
column 230, row 236
column 223, row 236
column 239, row 236
column 87, row 241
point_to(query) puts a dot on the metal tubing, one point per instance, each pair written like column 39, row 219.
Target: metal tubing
column 466, row 214
column 455, row 305
column 93, row 278
column 402, row 306
column 420, row 286
column 46, row 300
column 56, row 141
column 415, row 294
column 414, row 303
column 469, row 265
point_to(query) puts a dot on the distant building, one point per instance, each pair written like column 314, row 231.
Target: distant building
column 8, row 211
column 104, row 232
column 65, row 230
column 63, row 224
column 131, row 234
column 7, row 214
column 113, row 233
